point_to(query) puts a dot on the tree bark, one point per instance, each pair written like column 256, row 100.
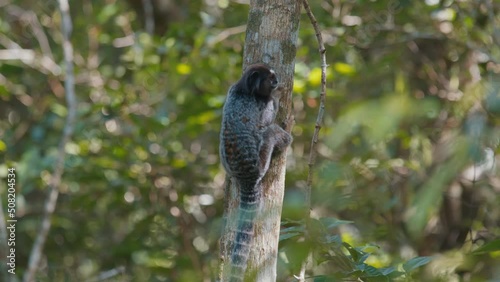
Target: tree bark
column 271, row 38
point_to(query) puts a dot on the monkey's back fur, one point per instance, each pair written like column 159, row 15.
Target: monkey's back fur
column 247, row 140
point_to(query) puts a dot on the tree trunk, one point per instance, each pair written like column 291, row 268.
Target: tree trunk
column 271, row 38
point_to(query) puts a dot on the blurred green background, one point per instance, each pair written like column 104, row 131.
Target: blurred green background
column 407, row 151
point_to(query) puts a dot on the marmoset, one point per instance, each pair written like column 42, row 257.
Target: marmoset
column 248, row 139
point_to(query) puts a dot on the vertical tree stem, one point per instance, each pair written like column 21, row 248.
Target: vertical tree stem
column 317, row 127
column 55, row 181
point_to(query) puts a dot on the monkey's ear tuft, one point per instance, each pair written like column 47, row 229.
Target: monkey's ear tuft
column 253, row 82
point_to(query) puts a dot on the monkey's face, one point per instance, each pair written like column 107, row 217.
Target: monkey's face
column 273, row 80
column 261, row 80
column 268, row 83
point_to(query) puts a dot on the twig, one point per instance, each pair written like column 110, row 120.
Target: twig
column 319, row 120
column 31, row 18
column 321, row 111
column 226, row 33
column 55, row 181
column 43, row 63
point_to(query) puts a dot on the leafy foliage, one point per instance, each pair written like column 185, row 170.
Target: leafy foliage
column 346, row 260
column 405, row 160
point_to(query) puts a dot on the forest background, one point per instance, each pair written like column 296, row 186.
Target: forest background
column 406, row 155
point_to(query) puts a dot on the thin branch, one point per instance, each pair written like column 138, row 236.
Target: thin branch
column 55, row 181
column 321, row 111
column 319, row 121
column 226, row 33
column 43, row 63
column 32, row 19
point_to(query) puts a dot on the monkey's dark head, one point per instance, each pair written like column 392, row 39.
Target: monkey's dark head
column 259, row 80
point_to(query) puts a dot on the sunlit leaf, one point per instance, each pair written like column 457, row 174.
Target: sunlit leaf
column 344, row 68
column 299, row 86
column 315, row 77
column 183, row 69
column 3, row 146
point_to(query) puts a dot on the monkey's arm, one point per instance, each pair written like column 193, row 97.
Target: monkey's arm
column 275, row 138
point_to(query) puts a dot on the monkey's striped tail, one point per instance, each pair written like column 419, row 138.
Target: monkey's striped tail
column 247, row 211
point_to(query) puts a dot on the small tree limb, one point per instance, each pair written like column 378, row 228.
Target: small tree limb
column 55, row 181
column 321, row 111
column 317, row 128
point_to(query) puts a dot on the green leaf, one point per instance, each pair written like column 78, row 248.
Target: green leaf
column 391, row 272
column 488, row 247
column 344, row 69
column 333, row 239
column 356, row 254
column 289, row 235
column 290, row 232
column 293, row 229
column 415, row 263
column 372, row 271
column 395, row 274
